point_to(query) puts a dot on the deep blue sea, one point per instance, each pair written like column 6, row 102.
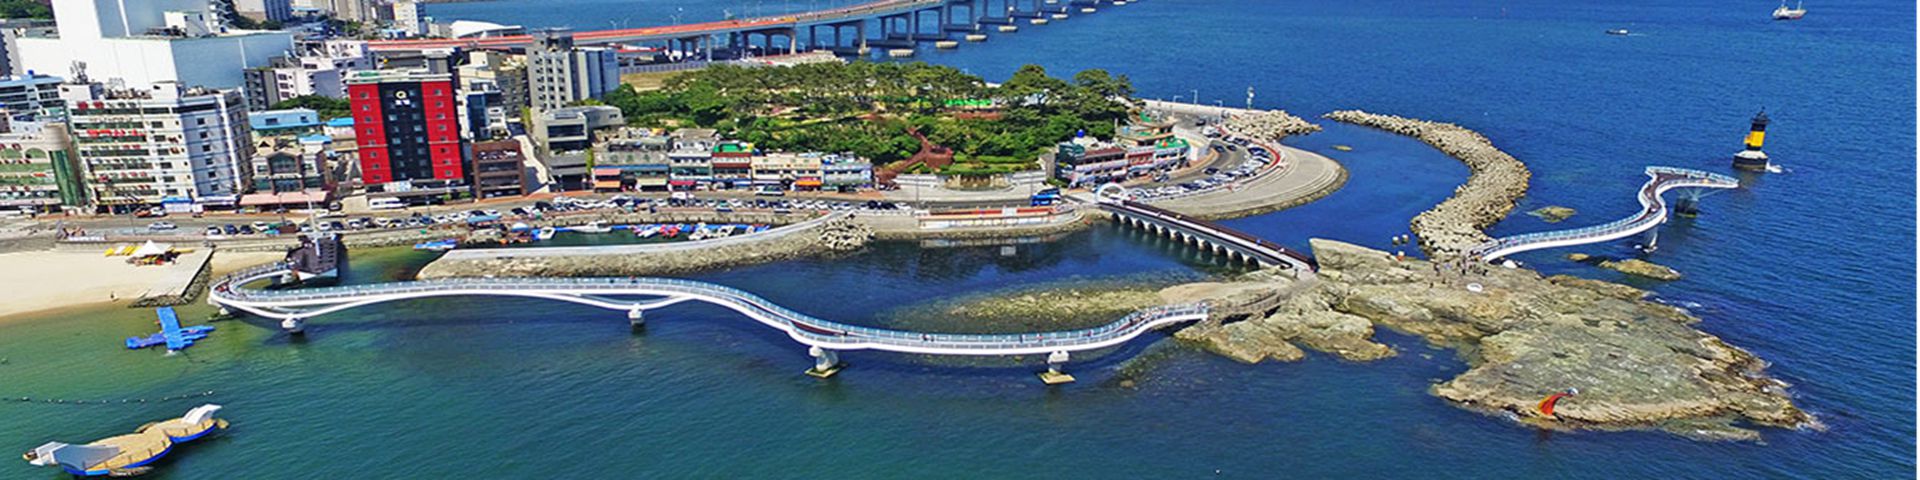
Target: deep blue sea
column 1810, row 269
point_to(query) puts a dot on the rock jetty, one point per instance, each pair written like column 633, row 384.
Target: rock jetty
column 1637, row 364
column 1451, row 229
column 1271, row 125
column 799, row 240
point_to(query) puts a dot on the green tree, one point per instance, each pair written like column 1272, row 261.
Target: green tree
column 25, row 9
column 328, row 107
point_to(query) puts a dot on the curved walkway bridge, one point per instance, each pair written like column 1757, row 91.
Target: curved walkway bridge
column 1653, row 212
column 1212, row 236
column 295, row 305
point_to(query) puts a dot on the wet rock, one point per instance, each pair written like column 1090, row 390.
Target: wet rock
column 1553, row 214
column 1637, row 364
column 1642, row 268
column 1579, row 257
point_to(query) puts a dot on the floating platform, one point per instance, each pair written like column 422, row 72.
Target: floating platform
column 171, row 334
column 1059, row 16
column 946, row 44
column 131, row 454
column 1038, row 21
column 825, row 374
column 976, row 37
column 1055, row 378
column 899, row 52
column 1008, row 29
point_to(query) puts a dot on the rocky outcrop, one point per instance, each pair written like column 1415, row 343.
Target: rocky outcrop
column 1636, row 363
column 844, row 235
column 1553, row 214
column 1301, row 319
column 1451, row 229
column 1270, row 125
column 1642, row 268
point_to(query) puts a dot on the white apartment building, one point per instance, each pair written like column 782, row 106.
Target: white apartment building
column 140, row 43
column 320, row 68
column 164, row 144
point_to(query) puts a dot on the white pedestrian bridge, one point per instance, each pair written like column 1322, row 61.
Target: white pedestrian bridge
column 295, row 306
column 1653, row 212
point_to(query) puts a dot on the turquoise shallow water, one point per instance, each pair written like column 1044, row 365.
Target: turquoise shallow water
column 1809, row 269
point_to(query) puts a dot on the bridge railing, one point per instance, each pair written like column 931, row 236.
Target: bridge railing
column 835, row 332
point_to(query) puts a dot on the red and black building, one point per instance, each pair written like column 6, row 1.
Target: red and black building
column 407, row 128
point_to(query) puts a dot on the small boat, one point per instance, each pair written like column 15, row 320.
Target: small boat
column 437, row 245
column 545, row 233
column 131, row 454
column 594, row 227
column 724, row 232
column 1784, row 13
column 648, row 231
column 1618, row 31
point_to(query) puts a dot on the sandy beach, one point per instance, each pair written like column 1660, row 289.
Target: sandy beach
column 54, row 279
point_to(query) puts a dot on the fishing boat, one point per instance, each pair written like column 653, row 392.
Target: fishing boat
column 545, row 233
column 1784, row 13
column 724, row 232
column 131, row 454
column 437, row 245
column 1616, row 31
column 699, row 232
column 648, row 231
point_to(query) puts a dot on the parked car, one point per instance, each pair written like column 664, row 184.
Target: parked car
column 161, row 226
column 213, row 231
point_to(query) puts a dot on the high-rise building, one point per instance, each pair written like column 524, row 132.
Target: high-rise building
column 38, row 171
column 264, row 10
column 163, row 144
column 407, row 127
column 138, row 44
column 407, row 18
column 559, row 73
column 22, row 97
column 11, row 29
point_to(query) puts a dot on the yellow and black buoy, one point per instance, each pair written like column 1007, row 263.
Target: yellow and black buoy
column 1752, row 159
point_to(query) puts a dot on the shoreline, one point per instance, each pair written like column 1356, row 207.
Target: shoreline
column 74, row 279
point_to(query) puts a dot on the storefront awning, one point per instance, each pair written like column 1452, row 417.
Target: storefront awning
column 807, row 182
column 681, row 183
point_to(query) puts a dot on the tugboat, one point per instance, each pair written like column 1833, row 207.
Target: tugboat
column 131, row 454
column 1784, row 13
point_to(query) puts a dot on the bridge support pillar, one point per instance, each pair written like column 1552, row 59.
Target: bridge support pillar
column 1687, row 207
column 294, row 326
column 826, row 362
column 1054, row 375
column 636, row 319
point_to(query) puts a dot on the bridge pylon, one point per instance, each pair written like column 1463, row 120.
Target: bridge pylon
column 294, row 326
column 826, row 362
column 1054, row 375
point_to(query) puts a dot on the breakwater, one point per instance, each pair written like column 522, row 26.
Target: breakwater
column 1497, row 180
column 813, row 237
column 1271, row 125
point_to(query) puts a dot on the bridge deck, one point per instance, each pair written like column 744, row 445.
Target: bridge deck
column 310, row 302
column 1266, row 251
column 1653, row 212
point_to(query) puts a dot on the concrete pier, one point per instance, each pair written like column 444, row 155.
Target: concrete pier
column 1054, row 375
column 826, row 363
